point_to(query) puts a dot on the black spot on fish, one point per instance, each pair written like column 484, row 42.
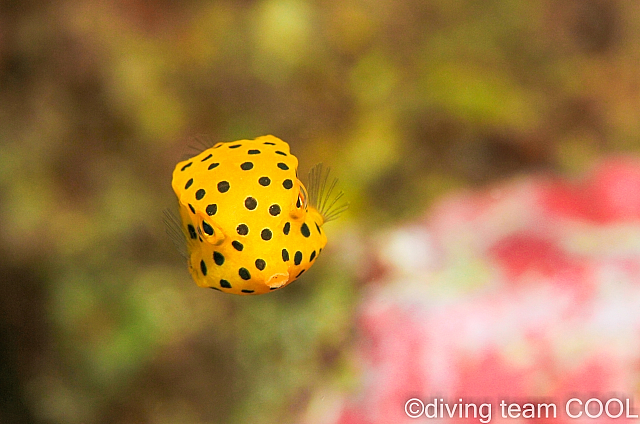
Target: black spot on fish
column 264, row 181
column 250, row 203
column 242, row 229
column 274, row 210
column 223, row 186
column 211, row 209
column 244, row 273
column 266, row 234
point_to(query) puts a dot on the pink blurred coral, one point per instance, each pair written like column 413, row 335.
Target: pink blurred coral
column 528, row 290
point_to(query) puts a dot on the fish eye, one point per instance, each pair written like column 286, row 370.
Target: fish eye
column 302, row 198
column 208, row 229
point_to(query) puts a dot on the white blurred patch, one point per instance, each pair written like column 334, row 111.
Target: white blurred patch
column 410, row 249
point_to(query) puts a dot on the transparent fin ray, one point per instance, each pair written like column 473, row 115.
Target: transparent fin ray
column 197, row 144
column 173, row 229
column 321, row 193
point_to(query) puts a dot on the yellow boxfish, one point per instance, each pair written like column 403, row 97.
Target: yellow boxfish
column 249, row 223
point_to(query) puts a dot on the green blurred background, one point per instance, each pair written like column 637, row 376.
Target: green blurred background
column 406, row 100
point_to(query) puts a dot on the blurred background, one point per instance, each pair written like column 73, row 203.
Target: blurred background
column 408, row 101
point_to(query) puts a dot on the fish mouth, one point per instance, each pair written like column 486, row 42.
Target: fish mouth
column 278, row 280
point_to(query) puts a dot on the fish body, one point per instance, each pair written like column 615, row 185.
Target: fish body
column 246, row 217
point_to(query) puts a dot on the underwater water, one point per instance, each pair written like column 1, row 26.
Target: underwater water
column 488, row 151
